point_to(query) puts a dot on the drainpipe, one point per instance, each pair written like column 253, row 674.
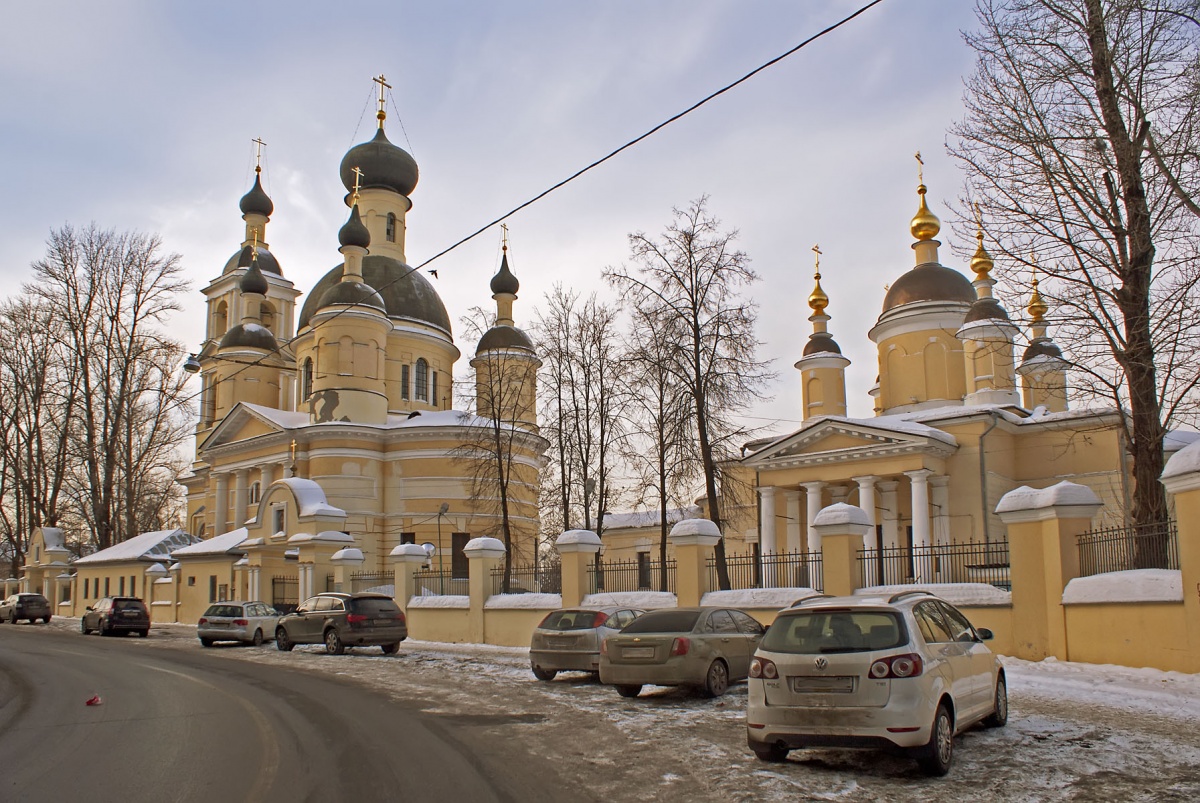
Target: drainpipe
column 983, row 494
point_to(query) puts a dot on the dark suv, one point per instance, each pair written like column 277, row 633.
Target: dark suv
column 116, row 615
column 344, row 620
column 25, row 605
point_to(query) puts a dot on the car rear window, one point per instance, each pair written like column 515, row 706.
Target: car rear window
column 663, row 622
column 128, row 605
column 224, row 610
column 372, row 606
column 569, row 620
column 835, row 631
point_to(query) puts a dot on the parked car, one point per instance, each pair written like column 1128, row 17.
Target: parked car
column 907, row 671
column 25, row 605
column 571, row 638
column 344, row 620
column 247, row 622
column 707, row 648
column 116, row 615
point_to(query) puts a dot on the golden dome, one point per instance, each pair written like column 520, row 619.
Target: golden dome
column 1037, row 307
column 817, row 298
column 925, row 224
column 981, row 263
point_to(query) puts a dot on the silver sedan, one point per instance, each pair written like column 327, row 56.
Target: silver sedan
column 247, row 622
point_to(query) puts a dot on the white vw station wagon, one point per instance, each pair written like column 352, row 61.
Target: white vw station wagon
column 903, row 672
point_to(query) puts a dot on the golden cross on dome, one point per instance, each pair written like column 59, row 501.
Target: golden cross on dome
column 383, row 84
column 920, row 168
column 258, row 146
column 293, row 450
column 254, row 250
column 816, row 249
column 358, row 174
column 504, row 236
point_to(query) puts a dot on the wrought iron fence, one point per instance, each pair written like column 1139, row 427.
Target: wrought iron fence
column 631, row 575
column 964, row 562
column 770, row 570
column 539, row 579
column 365, row 581
column 285, row 593
column 1147, row 546
column 431, row 582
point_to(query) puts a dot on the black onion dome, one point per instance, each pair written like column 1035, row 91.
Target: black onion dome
column 929, row 282
column 383, row 165
column 266, row 261
column 257, row 202
column 1042, row 347
column 986, row 309
column 406, row 293
column 821, row 343
column 249, row 335
column 354, row 293
column 504, row 281
column 354, row 232
column 253, row 281
column 504, row 337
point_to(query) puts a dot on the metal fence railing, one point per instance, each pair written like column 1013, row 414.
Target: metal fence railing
column 631, row 575
column 364, row 581
column 770, row 570
column 539, row 579
column 1147, row 546
column 285, row 593
column 431, row 582
column 963, row 562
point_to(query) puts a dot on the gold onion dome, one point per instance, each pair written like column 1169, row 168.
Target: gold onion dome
column 1037, row 306
column 817, row 298
column 925, row 225
column 981, row 262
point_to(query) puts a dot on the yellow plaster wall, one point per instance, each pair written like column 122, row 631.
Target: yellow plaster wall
column 512, row 627
column 450, row 625
column 998, row 619
column 194, row 599
column 1148, row 634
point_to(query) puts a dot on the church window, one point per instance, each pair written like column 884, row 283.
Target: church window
column 391, row 228
column 220, row 319
column 422, row 388
column 433, row 397
column 278, row 520
column 459, row 565
column 306, row 379
column 208, row 402
column 404, row 379
column 255, row 492
column 267, row 315
column 937, row 383
column 408, row 538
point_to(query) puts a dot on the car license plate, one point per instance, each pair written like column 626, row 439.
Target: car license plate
column 384, row 622
column 219, row 624
column 817, row 684
column 637, row 652
column 561, row 641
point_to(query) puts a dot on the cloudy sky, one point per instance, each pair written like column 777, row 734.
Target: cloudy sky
column 140, row 115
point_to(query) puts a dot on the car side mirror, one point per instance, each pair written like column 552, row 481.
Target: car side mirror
column 88, row 608
column 985, row 634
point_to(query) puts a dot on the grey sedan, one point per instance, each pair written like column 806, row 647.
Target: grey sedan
column 247, row 622
column 702, row 647
column 570, row 639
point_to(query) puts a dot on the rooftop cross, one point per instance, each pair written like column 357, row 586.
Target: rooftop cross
column 258, row 146
column 920, row 168
column 504, row 236
column 816, row 249
column 383, row 84
column 358, row 174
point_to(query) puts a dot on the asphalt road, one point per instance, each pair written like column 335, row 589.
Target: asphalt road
column 182, row 726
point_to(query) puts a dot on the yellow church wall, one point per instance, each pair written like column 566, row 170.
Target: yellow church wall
column 512, row 627
column 996, row 618
column 123, row 579
column 916, row 367
column 202, row 582
column 1139, row 635
column 450, row 625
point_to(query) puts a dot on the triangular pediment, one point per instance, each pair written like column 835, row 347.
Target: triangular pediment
column 835, row 440
column 243, row 423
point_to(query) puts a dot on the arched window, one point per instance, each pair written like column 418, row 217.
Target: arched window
column 391, row 228
column 220, row 320
column 267, row 315
column 255, row 493
column 937, row 383
column 306, row 379
column 422, row 388
column 404, row 382
column 209, row 403
column 433, row 397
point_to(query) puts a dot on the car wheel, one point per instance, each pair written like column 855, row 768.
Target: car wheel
column 390, row 649
column 543, row 674
column 333, row 642
column 629, row 691
column 83, row 626
column 258, row 638
column 773, row 753
column 999, row 716
column 282, row 642
column 104, row 629
column 206, row 642
column 716, row 682
column 935, row 757
column 144, row 633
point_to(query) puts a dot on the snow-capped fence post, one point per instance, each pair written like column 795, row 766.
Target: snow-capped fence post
column 483, row 555
column 345, row 561
column 1181, row 478
column 841, row 529
column 694, row 541
column 407, row 560
column 1043, row 557
column 577, row 549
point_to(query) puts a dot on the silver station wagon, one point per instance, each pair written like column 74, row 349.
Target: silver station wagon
column 247, row 622
column 570, row 639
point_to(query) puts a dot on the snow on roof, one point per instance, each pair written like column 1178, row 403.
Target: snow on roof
column 1061, row 494
column 148, row 546
column 649, row 518
column 1135, row 585
column 689, row 527
column 841, row 513
column 287, row 419
column 548, row 602
column 1185, row 461
column 977, row 594
column 217, row 545
column 52, row 537
column 764, row 598
column 1176, row 439
column 577, row 537
column 645, row 600
column 310, row 497
column 351, row 554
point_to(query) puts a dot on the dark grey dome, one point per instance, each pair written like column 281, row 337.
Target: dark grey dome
column 929, row 282
column 406, row 293
column 266, row 261
column 986, row 309
column 253, row 281
column 504, row 281
column 257, row 202
column 1042, row 347
column 821, row 343
column 504, row 337
column 382, row 164
column 355, row 293
column 249, row 335
column 354, row 232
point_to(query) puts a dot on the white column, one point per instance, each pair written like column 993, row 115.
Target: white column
column 766, row 535
column 241, row 495
column 222, row 505
column 792, row 500
column 303, row 588
column 889, row 503
column 920, row 521
column 939, row 493
column 253, row 591
column 866, row 502
column 813, row 508
column 269, row 473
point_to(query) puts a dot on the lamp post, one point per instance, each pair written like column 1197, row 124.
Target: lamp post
column 441, row 570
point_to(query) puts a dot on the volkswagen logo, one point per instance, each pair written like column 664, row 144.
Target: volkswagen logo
column 821, row 662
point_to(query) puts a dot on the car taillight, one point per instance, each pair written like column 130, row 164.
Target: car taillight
column 241, row 622
column 680, row 646
column 763, row 668
column 203, row 621
column 601, row 618
column 400, row 617
column 356, row 618
column 908, row 665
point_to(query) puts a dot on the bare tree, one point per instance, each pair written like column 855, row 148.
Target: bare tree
column 691, row 277
column 1080, row 142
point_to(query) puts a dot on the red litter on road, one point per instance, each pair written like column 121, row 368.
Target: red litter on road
column 94, row 700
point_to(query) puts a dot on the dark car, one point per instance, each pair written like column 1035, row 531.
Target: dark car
column 116, row 615
column 344, row 620
column 25, row 605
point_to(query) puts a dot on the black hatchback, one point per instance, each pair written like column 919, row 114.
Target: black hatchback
column 25, row 605
column 116, row 615
column 344, row 620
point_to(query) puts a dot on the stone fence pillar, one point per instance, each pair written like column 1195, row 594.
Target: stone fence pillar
column 1043, row 558
column 1182, row 479
column 841, row 529
column 483, row 555
column 407, row 560
column 577, row 550
column 345, row 561
column 694, row 541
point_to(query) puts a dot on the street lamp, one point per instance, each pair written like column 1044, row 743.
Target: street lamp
column 441, row 512
column 191, row 365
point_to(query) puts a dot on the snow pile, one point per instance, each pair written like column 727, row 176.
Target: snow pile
column 440, row 601
column 762, row 598
column 551, row 602
column 645, row 600
column 980, row 594
column 1135, row 585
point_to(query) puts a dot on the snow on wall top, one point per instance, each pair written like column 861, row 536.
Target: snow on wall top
column 978, row 594
column 310, row 497
column 1063, row 494
column 841, row 513
column 645, row 600
column 1135, row 585
column 547, row 602
column 157, row 545
column 577, row 537
column 439, row 601
column 1185, row 461
column 696, row 527
column 761, row 598
column 217, row 545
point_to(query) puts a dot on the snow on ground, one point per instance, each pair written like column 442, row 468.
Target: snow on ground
column 1076, row 731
